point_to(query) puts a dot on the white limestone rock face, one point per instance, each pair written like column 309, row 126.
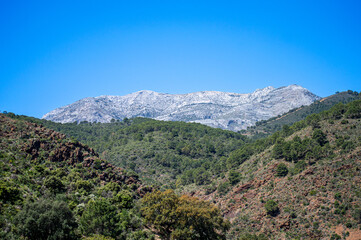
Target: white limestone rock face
column 232, row 111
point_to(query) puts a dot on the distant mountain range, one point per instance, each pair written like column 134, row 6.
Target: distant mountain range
column 232, row 111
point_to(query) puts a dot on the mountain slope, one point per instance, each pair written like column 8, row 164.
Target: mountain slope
column 300, row 183
column 53, row 187
column 231, row 111
column 159, row 151
column 266, row 127
column 49, row 185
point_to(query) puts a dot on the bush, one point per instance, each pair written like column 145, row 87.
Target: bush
column 272, row 208
column 354, row 110
column 223, row 188
column 9, row 194
column 338, row 196
column 299, row 167
column 281, row 170
column 84, row 185
column 46, row 219
column 174, row 217
column 313, row 192
column 123, row 199
column 234, row 177
column 99, row 217
column 54, row 184
column 335, row 237
column 319, row 137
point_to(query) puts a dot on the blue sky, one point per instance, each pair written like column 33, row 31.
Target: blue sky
column 53, row 53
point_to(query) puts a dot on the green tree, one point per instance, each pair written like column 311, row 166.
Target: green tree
column 354, row 110
column 272, row 208
column 223, row 187
column 281, row 170
column 234, row 177
column 320, row 137
column 239, row 156
column 99, row 217
column 313, row 120
column 337, row 111
column 123, row 199
column 9, row 193
column 54, row 184
column 45, row 219
column 174, row 217
column 277, row 152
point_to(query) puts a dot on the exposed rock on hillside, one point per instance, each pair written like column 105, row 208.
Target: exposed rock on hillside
column 230, row 111
column 318, row 196
column 40, row 143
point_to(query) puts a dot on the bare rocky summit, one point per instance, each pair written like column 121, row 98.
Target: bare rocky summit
column 232, row 111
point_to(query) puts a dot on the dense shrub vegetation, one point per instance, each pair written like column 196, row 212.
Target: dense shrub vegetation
column 52, row 187
column 161, row 153
column 304, row 171
column 46, row 219
column 184, row 217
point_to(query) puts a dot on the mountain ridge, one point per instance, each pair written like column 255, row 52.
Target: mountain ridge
column 267, row 127
column 232, row 111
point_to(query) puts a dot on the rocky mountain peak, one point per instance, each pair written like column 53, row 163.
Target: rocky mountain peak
column 233, row 111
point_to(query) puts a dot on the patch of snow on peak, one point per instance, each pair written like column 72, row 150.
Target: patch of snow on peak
column 233, row 111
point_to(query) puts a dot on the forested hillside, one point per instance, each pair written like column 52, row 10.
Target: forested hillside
column 53, row 187
column 267, row 127
column 300, row 183
column 162, row 153
column 55, row 180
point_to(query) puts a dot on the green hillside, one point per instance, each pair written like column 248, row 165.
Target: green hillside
column 57, row 181
column 303, row 182
column 53, row 187
column 267, row 127
column 161, row 153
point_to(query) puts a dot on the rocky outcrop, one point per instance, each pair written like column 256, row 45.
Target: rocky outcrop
column 232, row 111
column 41, row 144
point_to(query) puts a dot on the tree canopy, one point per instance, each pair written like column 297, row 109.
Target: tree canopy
column 46, row 219
column 182, row 217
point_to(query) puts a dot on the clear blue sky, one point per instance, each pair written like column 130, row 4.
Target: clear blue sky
column 53, row 53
